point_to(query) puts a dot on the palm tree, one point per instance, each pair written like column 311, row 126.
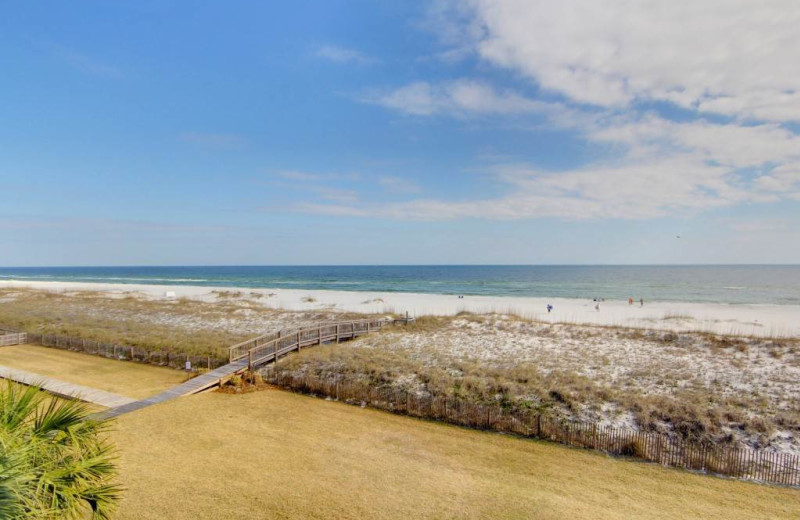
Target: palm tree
column 55, row 461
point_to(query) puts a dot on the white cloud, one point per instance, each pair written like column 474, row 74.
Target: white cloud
column 339, row 54
column 785, row 178
column 732, row 57
column 729, row 144
column 665, row 168
column 461, row 98
column 648, row 189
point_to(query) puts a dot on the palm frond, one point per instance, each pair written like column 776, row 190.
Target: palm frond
column 55, row 462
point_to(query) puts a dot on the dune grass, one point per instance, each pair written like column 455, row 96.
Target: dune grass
column 186, row 326
column 274, row 454
column 120, row 377
column 132, row 321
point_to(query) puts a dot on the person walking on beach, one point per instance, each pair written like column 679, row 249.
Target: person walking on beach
column 641, row 302
column 549, row 308
column 597, row 307
column 630, row 301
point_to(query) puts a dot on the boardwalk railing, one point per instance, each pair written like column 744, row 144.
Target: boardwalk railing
column 268, row 347
column 11, row 337
column 760, row 465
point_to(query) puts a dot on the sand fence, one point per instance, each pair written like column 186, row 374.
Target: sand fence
column 12, row 337
column 744, row 463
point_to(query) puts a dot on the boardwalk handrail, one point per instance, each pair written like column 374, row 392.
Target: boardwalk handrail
column 268, row 347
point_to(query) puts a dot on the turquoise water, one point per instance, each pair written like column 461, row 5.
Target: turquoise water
column 722, row 284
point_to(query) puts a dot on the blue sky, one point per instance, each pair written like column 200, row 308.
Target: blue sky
column 373, row 132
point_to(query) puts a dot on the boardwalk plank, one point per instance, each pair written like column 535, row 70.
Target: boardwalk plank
column 64, row 389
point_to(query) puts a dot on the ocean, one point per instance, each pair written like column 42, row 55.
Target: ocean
column 746, row 284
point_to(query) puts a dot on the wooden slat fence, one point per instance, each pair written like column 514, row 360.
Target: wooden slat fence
column 759, row 465
column 11, row 337
column 263, row 349
column 126, row 352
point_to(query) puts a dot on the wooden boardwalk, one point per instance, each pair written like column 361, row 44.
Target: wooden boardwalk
column 263, row 349
column 64, row 389
column 192, row 386
column 254, row 353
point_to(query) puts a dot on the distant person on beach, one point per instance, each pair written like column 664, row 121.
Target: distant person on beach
column 549, row 308
column 630, row 301
column 641, row 302
column 597, row 307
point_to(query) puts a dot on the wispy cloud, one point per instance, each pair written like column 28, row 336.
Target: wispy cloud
column 338, row 54
column 462, row 97
column 88, row 64
column 758, row 225
column 399, row 185
column 302, row 176
column 213, row 140
column 665, row 168
column 340, row 195
column 294, row 175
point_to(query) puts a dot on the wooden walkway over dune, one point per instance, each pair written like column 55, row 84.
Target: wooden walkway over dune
column 193, row 386
column 254, row 353
column 263, row 349
column 64, row 389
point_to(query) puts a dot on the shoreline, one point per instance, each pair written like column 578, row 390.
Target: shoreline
column 764, row 320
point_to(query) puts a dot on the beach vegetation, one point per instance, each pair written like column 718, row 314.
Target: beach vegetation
column 178, row 326
column 630, row 377
column 228, row 293
column 55, row 462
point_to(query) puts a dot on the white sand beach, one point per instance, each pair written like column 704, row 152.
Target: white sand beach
column 739, row 319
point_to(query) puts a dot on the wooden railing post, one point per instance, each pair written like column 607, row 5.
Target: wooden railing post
column 337, row 333
column 298, row 340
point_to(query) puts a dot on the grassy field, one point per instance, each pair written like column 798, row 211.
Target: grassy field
column 124, row 378
column 275, row 454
